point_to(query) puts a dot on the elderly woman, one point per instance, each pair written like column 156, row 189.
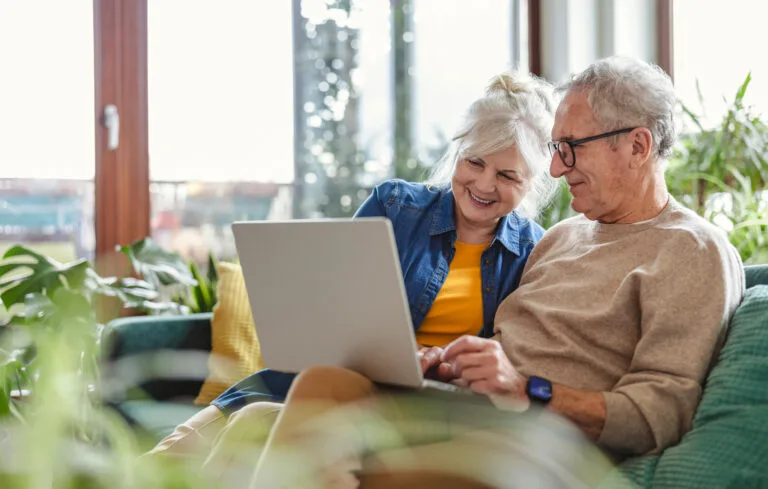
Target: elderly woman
column 463, row 239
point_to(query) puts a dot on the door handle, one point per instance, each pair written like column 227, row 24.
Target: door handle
column 111, row 120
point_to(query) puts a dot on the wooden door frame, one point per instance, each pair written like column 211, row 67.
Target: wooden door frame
column 534, row 37
column 122, row 197
column 665, row 46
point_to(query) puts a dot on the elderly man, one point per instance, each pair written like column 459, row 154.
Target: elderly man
column 621, row 309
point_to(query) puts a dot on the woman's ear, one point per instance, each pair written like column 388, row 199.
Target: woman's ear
column 642, row 144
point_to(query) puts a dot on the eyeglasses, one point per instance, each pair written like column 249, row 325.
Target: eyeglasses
column 565, row 148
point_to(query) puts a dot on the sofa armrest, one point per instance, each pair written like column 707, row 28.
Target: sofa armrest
column 141, row 334
column 157, row 357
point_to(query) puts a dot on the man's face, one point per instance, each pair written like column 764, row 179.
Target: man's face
column 600, row 182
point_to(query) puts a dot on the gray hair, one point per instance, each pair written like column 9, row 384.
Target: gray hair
column 516, row 110
column 626, row 92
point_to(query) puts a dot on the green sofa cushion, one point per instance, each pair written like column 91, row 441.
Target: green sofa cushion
column 728, row 445
column 756, row 275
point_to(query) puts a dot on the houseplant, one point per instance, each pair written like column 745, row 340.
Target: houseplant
column 721, row 173
column 53, row 430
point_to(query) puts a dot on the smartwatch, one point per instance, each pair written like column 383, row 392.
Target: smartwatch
column 539, row 390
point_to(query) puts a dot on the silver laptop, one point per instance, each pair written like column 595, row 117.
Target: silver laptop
column 330, row 292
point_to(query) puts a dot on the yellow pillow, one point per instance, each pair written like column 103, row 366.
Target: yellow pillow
column 235, row 351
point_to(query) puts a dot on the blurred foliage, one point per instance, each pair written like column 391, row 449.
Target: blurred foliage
column 45, row 297
column 58, row 435
column 721, row 173
column 54, row 432
column 182, row 286
column 559, row 207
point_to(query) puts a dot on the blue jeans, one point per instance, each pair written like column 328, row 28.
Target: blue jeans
column 264, row 385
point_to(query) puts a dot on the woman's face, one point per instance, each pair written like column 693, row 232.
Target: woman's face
column 488, row 187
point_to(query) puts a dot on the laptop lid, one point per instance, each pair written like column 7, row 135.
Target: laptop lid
column 329, row 292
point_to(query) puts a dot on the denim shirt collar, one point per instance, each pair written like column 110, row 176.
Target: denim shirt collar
column 443, row 221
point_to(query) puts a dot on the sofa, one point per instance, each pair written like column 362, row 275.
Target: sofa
column 155, row 365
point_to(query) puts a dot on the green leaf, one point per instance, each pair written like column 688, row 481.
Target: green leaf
column 23, row 251
column 157, row 265
column 200, row 291
column 46, row 277
column 743, row 89
column 752, row 223
column 37, row 306
column 72, row 306
column 19, row 319
column 692, row 116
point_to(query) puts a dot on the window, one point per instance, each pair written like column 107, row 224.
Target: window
column 220, row 120
column 458, row 47
column 47, row 127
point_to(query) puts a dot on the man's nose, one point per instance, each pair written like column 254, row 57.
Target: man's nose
column 556, row 166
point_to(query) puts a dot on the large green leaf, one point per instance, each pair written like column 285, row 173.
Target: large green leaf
column 44, row 274
column 156, row 265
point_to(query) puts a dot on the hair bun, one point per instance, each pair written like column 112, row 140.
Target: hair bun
column 510, row 83
column 517, row 83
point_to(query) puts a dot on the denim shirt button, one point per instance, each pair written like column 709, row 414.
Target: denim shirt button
column 488, row 289
column 487, row 261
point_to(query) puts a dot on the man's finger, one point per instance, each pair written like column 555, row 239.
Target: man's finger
column 481, row 372
column 469, row 360
column 465, row 344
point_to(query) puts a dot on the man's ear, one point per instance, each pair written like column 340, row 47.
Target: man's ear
column 642, row 144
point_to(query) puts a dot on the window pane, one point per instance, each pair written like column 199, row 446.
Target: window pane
column 459, row 46
column 712, row 42
column 47, row 127
column 220, row 119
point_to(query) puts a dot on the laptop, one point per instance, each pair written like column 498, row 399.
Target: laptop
column 330, row 292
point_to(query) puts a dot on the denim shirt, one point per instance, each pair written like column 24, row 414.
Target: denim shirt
column 425, row 232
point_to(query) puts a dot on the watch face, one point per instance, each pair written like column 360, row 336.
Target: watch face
column 539, row 389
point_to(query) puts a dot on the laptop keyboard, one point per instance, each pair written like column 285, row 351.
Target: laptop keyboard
column 445, row 386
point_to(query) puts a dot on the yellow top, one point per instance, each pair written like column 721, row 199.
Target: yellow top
column 458, row 307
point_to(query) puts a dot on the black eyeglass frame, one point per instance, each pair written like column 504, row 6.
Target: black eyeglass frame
column 555, row 145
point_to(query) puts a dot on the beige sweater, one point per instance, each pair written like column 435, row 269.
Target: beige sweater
column 635, row 311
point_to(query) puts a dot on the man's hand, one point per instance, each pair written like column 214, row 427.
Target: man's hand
column 481, row 365
column 432, row 367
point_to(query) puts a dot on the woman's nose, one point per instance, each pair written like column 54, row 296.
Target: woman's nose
column 486, row 182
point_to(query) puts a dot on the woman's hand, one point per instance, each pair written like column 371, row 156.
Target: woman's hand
column 432, row 367
column 481, row 365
